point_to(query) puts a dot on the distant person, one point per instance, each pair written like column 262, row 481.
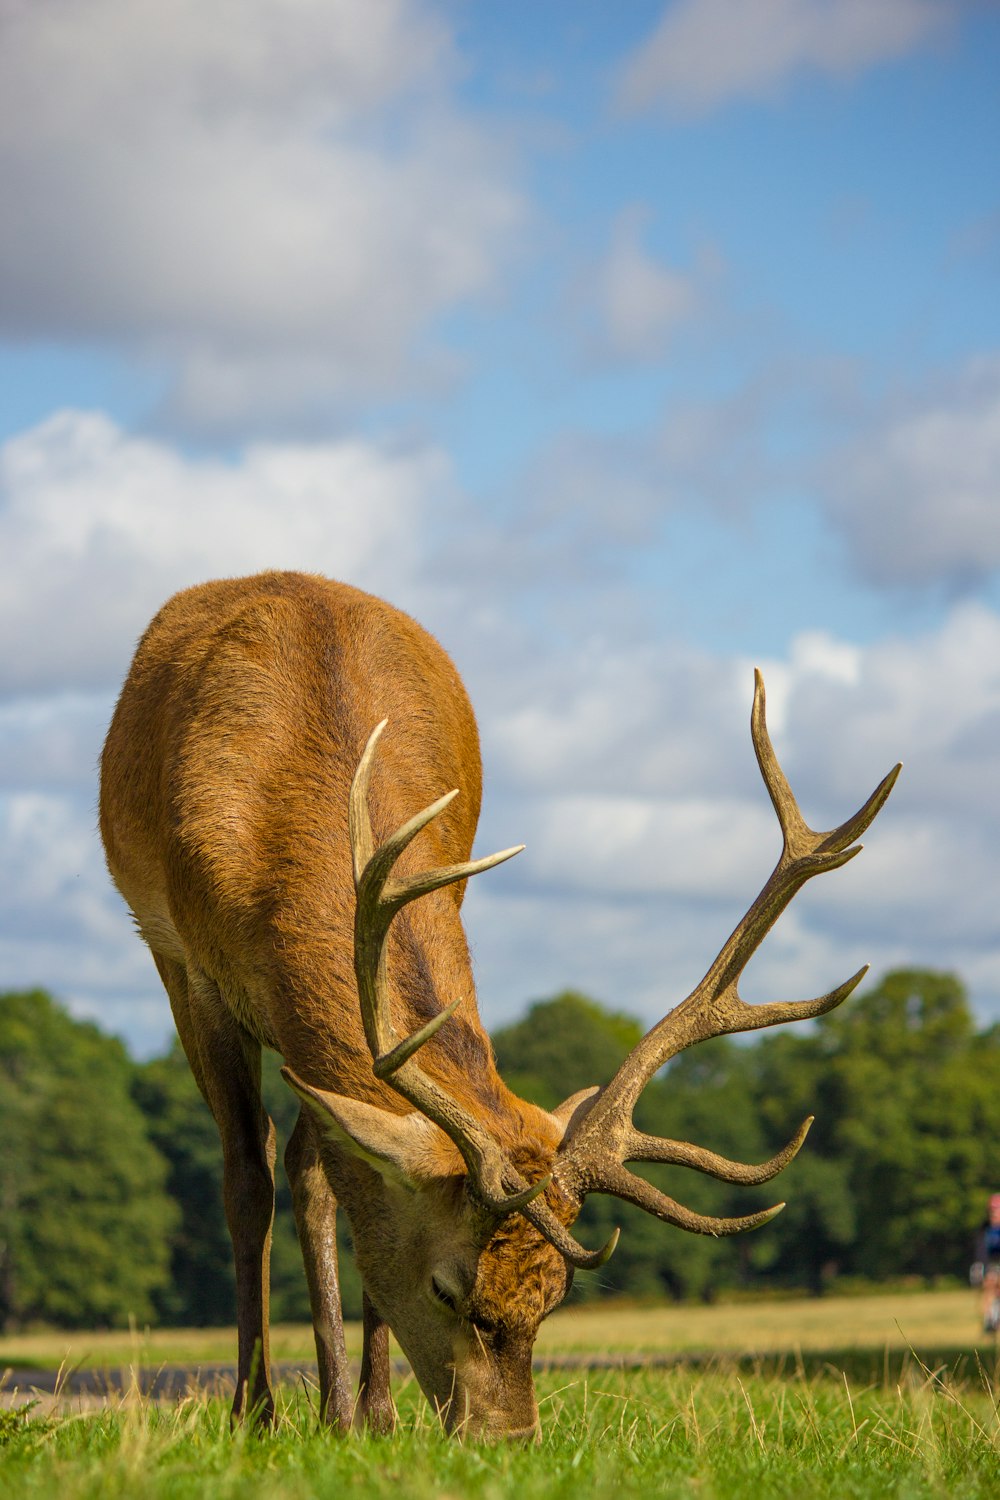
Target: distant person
column 986, row 1270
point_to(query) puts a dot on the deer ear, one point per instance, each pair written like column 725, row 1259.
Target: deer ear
column 572, row 1111
column 401, row 1148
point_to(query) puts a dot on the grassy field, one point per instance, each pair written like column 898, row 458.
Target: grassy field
column 776, row 1412
column 923, row 1320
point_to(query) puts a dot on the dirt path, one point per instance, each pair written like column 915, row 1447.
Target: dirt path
column 173, row 1382
column 74, row 1389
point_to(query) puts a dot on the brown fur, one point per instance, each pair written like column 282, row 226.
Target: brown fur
column 224, row 794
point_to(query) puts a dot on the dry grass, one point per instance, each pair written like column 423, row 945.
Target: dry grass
column 893, row 1320
column 921, row 1320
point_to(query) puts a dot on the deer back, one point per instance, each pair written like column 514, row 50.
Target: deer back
column 225, row 784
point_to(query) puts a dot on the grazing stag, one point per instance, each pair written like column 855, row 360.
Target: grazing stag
column 261, row 793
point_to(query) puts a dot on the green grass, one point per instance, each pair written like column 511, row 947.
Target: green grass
column 780, row 1414
column 712, row 1433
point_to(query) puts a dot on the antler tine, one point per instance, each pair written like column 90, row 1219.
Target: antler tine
column 798, row 836
column 359, row 821
column 545, row 1221
column 495, row 1181
column 793, row 824
column 392, row 1056
column 625, row 1184
column 375, row 864
column 636, row 1190
column 682, row 1154
column 379, row 899
column 592, row 1159
column 756, row 1017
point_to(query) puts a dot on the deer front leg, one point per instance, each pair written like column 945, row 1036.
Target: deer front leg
column 248, row 1192
column 315, row 1208
column 375, row 1406
column 225, row 1061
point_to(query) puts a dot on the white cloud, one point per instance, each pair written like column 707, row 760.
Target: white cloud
column 632, row 302
column 62, row 925
column 907, row 484
column 932, row 701
column 622, row 759
column 627, row 845
column 51, row 744
column 271, row 199
column 814, row 657
column 706, row 53
column 634, row 875
column 104, row 527
column 618, row 717
column 918, row 495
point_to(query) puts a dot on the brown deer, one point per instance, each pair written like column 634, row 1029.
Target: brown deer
column 261, row 788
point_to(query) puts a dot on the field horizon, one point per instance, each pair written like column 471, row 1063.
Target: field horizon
column 893, row 1320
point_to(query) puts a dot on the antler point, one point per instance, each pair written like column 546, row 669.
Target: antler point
column 609, row 1249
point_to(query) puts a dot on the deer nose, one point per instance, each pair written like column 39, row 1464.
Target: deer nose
column 524, row 1435
column 485, row 1430
column 499, row 1433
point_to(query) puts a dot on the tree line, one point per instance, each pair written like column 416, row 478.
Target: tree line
column 111, row 1169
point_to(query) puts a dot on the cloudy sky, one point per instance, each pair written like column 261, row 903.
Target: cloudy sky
column 627, row 347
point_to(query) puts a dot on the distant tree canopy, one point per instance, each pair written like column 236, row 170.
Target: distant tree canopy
column 202, row 1286
column 904, row 1093
column 111, row 1171
column 567, row 1037
column 85, row 1222
column 891, row 1182
column 705, row 1097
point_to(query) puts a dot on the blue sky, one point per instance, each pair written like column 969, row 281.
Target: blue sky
column 627, row 347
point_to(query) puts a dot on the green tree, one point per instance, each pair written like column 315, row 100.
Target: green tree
column 897, row 1167
column 705, row 1096
column 561, row 1045
column 289, row 1292
column 910, row 1082
column 84, row 1217
column 891, row 1181
column 811, row 1241
column 202, row 1289
column 202, row 1285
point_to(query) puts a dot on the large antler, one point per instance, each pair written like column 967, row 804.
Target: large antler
column 493, row 1179
column 594, row 1153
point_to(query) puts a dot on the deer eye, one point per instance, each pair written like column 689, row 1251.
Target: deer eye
column 443, row 1296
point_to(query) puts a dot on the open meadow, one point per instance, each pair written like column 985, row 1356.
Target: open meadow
column 923, row 1321
column 881, row 1395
